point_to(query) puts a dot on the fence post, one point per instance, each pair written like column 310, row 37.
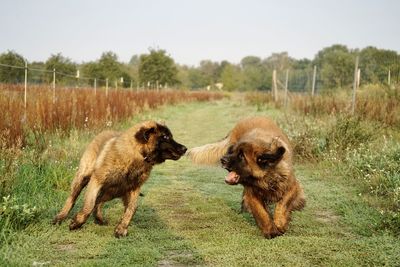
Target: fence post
column 54, row 85
column 106, row 86
column 389, row 77
column 313, row 81
column 25, row 83
column 95, row 86
column 358, row 77
column 275, row 89
column 353, row 102
column 286, row 86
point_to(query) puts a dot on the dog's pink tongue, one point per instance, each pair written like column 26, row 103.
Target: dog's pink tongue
column 232, row 178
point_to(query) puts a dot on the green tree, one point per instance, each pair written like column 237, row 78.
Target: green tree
column 183, row 76
column 336, row 64
column 63, row 66
column 210, row 71
column 278, row 61
column 107, row 67
column 34, row 75
column 375, row 64
column 300, row 76
column 157, row 67
column 110, row 67
column 9, row 74
column 133, row 68
column 197, row 79
column 254, row 74
column 92, row 70
column 231, row 77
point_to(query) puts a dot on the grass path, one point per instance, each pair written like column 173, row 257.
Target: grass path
column 190, row 217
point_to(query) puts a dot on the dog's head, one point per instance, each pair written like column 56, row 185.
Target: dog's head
column 159, row 142
column 249, row 160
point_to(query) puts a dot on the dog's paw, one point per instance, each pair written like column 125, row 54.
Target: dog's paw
column 100, row 221
column 74, row 225
column 56, row 220
column 120, row 232
column 272, row 233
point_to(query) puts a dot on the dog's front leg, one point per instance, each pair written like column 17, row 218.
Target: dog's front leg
column 292, row 200
column 260, row 214
column 130, row 202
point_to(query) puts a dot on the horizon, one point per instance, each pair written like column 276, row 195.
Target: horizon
column 188, row 65
column 195, row 31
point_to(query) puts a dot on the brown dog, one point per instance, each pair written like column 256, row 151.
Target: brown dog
column 116, row 165
column 258, row 155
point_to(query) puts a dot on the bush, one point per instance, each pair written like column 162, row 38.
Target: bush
column 349, row 132
column 354, row 149
column 14, row 215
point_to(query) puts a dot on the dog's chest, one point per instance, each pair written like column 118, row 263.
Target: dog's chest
column 136, row 175
column 271, row 190
column 120, row 182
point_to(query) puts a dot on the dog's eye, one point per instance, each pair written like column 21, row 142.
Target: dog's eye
column 241, row 155
column 166, row 137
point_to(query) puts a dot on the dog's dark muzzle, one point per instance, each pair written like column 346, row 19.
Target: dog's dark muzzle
column 178, row 151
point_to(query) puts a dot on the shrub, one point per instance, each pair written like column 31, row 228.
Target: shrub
column 14, row 215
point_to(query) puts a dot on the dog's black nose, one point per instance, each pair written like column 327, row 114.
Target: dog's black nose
column 183, row 149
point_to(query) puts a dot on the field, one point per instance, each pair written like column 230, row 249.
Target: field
column 349, row 167
column 49, row 111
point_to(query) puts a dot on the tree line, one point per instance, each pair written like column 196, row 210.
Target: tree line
column 335, row 65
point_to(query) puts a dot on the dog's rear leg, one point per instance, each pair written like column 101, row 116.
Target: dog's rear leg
column 90, row 201
column 79, row 182
column 97, row 213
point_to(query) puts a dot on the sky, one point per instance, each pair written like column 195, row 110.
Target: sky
column 191, row 31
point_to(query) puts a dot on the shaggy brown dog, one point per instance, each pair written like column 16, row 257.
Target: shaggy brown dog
column 116, row 165
column 258, row 155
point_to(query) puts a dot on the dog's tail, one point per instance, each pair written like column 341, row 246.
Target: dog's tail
column 209, row 154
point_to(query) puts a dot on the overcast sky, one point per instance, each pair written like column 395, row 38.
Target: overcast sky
column 194, row 30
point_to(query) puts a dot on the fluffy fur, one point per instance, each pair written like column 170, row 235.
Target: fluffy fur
column 115, row 165
column 258, row 155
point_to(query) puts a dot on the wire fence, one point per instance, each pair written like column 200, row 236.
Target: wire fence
column 75, row 79
column 309, row 80
column 53, row 79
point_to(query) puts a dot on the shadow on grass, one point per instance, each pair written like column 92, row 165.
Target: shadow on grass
column 149, row 242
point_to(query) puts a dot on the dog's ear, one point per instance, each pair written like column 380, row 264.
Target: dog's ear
column 268, row 158
column 143, row 135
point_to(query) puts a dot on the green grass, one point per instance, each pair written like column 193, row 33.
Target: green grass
column 188, row 215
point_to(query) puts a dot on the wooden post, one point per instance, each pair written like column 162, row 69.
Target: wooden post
column 107, row 87
column 286, row 86
column 353, row 102
column 25, row 83
column 313, row 81
column 275, row 87
column 389, row 77
column 95, row 86
column 77, row 79
column 358, row 77
column 54, row 85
